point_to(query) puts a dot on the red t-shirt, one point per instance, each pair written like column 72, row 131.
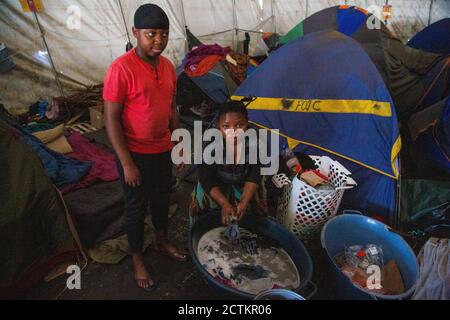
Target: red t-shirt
column 146, row 94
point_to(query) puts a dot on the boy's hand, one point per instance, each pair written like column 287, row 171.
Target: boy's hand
column 132, row 175
column 228, row 211
column 180, row 167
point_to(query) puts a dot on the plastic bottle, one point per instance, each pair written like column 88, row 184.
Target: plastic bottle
column 375, row 255
column 291, row 161
column 356, row 257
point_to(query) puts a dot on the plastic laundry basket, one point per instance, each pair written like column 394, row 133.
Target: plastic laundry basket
column 304, row 210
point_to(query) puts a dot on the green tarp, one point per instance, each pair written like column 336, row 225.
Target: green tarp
column 295, row 33
column 420, row 196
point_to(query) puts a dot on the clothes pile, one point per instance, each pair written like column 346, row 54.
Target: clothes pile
column 203, row 58
column 103, row 162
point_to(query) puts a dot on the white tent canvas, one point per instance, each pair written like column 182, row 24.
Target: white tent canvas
column 85, row 36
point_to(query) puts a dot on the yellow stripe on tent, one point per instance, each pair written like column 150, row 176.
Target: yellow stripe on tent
column 294, row 143
column 395, row 152
column 377, row 108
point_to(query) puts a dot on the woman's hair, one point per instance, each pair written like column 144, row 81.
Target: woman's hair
column 233, row 107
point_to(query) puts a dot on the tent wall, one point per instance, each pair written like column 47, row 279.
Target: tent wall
column 409, row 16
column 82, row 56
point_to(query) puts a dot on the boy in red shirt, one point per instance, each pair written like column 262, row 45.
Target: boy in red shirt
column 140, row 116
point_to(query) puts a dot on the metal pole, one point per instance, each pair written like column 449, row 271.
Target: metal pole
column 124, row 21
column 274, row 21
column 430, row 12
column 55, row 73
column 398, row 212
column 385, row 19
column 234, row 25
column 306, row 9
column 184, row 26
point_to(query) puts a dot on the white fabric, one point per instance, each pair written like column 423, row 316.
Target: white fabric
column 82, row 56
column 434, row 279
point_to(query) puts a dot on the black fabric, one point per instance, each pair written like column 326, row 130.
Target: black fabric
column 365, row 35
column 94, row 209
column 424, row 120
column 150, row 16
column 154, row 190
column 192, row 40
column 223, row 175
column 325, row 20
column 405, row 70
column 210, row 177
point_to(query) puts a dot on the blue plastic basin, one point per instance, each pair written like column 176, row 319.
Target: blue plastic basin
column 350, row 229
column 265, row 227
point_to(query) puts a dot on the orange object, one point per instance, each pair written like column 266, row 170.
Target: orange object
column 203, row 67
column 387, row 12
column 344, row 6
column 32, row 5
column 267, row 35
column 362, row 10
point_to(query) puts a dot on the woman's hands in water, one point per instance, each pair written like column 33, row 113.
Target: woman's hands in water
column 228, row 212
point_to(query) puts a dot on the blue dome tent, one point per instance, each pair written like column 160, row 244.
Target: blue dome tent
column 434, row 38
column 323, row 103
column 430, row 131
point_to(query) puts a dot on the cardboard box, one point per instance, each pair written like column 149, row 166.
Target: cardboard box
column 96, row 115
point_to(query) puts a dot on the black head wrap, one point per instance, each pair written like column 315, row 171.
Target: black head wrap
column 150, row 16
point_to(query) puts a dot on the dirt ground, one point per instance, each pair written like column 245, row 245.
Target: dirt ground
column 177, row 281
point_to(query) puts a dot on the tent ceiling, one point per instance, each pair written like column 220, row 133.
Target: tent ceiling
column 84, row 54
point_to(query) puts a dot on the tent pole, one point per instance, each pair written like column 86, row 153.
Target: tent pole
column 55, row 73
column 306, row 9
column 235, row 32
column 185, row 26
column 430, row 12
column 125, row 25
column 398, row 205
column 274, row 21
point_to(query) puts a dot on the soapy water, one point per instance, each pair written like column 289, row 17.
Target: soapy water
column 253, row 265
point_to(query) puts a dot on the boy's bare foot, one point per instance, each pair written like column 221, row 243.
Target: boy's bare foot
column 141, row 274
column 170, row 250
column 164, row 246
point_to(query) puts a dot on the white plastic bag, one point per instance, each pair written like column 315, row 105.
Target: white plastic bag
column 434, row 278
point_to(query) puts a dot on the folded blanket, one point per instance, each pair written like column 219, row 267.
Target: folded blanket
column 103, row 162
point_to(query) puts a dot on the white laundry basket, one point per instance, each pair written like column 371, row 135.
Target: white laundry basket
column 304, row 210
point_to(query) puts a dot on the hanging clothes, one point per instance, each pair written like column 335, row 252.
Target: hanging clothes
column 434, row 278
